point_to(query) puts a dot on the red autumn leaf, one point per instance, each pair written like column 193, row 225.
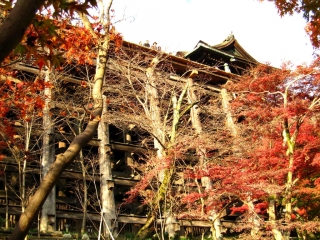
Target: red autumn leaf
column 83, row 84
column 40, row 63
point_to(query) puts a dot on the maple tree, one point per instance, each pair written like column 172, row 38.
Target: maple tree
column 274, row 164
column 16, row 125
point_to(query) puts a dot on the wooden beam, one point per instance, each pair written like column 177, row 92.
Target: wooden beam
column 75, row 80
column 126, row 147
column 206, row 87
column 72, row 175
column 133, row 219
column 96, row 177
column 130, row 148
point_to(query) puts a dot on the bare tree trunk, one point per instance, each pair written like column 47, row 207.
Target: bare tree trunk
column 155, row 115
column 272, row 220
column 14, row 26
column 288, row 191
column 254, row 220
column 62, row 160
column 48, row 213
column 85, row 190
column 7, row 200
column 108, row 207
column 197, row 126
column 22, row 169
column 216, row 225
column 23, row 184
column 288, row 194
column 147, row 229
column 28, row 129
column 154, row 108
column 290, row 140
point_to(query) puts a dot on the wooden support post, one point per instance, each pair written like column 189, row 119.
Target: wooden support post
column 108, row 207
column 226, row 107
column 128, row 155
column 48, row 213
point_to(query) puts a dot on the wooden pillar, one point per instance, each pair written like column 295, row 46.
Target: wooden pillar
column 48, row 213
column 227, row 110
column 62, row 146
column 197, row 125
column 128, row 155
column 172, row 226
column 61, row 185
column 108, row 207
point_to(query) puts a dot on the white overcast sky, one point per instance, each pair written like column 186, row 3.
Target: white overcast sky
column 179, row 24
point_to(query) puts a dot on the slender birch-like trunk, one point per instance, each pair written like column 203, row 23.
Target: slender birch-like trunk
column 84, row 181
column 289, row 140
column 154, row 109
column 253, row 219
column 154, row 113
column 272, row 220
column 7, row 200
column 27, row 129
column 85, row 195
column 85, row 191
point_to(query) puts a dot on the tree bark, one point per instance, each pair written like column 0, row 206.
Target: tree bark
column 7, row 200
column 152, row 110
column 290, row 140
column 147, row 229
column 253, row 219
column 15, row 25
column 85, row 190
column 28, row 129
column 166, row 174
column 272, row 220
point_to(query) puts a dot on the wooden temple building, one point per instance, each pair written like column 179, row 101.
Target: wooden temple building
column 215, row 66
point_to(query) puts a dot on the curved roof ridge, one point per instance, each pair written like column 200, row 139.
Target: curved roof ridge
column 232, row 41
column 227, row 42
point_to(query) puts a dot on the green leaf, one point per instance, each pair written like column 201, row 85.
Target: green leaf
column 20, row 49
